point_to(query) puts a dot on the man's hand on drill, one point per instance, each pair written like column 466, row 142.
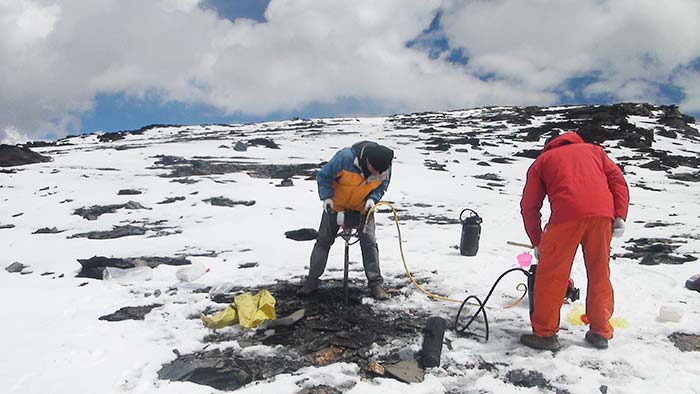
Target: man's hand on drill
column 328, row 205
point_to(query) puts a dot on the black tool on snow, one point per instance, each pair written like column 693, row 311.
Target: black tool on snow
column 471, row 232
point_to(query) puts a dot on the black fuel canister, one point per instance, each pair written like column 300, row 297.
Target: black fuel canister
column 471, row 232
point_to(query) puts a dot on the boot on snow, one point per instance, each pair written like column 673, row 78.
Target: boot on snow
column 541, row 343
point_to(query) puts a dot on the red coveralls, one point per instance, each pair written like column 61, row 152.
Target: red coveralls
column 586, row 191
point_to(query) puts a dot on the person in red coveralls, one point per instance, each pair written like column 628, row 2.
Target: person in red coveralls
column 589, row 200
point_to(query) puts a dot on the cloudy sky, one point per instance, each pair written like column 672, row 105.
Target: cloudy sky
column 75, row 66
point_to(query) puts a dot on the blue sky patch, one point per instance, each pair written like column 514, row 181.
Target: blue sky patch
column 232, row 10
column 431, row 40
column 115, row 112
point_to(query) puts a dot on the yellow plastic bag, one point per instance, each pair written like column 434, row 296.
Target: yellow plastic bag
column 618, row 322
column 574, row 315
column 577, row 317
column 247, row 310
column 222, row 319
column 254, row 309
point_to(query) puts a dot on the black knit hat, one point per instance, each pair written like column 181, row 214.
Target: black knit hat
column 379, row 156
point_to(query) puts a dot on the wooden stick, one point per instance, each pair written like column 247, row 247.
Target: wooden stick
column 519, row 244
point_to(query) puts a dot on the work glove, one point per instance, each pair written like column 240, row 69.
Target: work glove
column 328, row 205
column 618, row 227
column 369, row 204
column 537, row 252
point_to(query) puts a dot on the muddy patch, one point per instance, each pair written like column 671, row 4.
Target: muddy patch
column 529, row 379
column 686, row 342
column 329, row 332
column 227, row 369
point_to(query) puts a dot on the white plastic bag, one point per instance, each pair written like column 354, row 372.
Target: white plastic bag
column 191, row 272
column 670, row 313
column 127, row 276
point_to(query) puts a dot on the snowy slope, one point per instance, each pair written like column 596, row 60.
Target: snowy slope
column 53, row 342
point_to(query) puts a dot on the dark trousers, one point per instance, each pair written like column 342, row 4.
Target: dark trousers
column 326, row 237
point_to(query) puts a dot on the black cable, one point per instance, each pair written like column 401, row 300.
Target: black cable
column 482, row 305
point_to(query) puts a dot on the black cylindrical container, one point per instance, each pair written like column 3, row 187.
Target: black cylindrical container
column 471, row 232
column 531, row 287
column 433, row 334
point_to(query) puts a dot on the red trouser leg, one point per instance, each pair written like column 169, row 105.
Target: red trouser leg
column 599, row 296
column 557, row 249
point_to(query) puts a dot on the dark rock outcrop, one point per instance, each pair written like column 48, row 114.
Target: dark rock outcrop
column 48, row 230
column 95, row 211
column 130, row 313
column 15, row 267
column 116, row 232
column 302, row 234
column 181, row 167
column 227, row 202
column 94, row 266
column 11, row 155
column 226, row 369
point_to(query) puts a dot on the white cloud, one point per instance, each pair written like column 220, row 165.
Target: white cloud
column 630, row 44
column 12, row 136
column 57, row 55
column 691, row 84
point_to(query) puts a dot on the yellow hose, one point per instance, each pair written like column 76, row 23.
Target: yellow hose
column 408, row 272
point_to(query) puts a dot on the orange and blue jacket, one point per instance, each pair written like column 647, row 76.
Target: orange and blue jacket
column 342, row 179
column 580, row 181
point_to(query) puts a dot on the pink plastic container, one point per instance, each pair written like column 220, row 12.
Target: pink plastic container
column 524, row 260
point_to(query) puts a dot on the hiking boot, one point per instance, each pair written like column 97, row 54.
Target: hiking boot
column 378, row 293
column 541, row 343
column 596, row 340
column 309, row 287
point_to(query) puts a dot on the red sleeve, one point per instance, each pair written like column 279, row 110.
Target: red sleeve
column 531, row 203
column 617, row 186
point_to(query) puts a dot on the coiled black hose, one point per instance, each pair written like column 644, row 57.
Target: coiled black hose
column 482, row 305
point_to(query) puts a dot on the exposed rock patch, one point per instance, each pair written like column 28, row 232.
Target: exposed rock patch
column 95, row 211
column 303, row 234
column 227, row 369
column 130, row 313
column 171, row 200
column 527, row 378
column 116, row 232
column 181, row 167
column 128, row 192
column 15, row 267
column 94, row 266
column 11, row 155
column 227, row 202
column 654, row 251
column 686, row 342
column 48, row 230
